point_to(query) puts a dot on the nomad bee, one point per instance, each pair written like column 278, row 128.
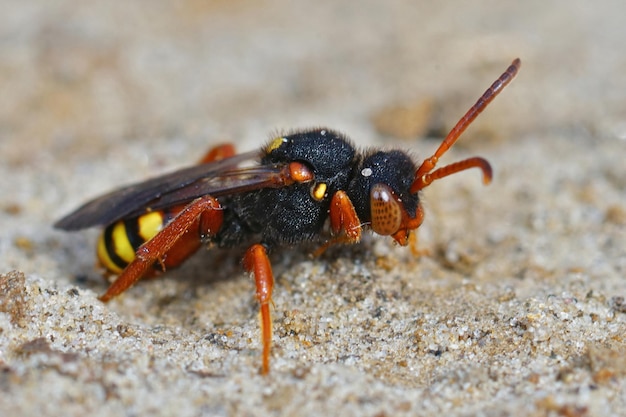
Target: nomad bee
column 309, row 185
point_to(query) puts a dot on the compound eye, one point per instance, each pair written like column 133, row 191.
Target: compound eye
column 385, row 209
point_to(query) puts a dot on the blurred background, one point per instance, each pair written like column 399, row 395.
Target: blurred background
column 105, row 74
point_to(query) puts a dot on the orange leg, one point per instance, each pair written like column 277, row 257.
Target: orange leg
column 189, row 243
column 219, row 152
column 343, row 217
column 257, row 262
column 344, row 222
column 206, row 208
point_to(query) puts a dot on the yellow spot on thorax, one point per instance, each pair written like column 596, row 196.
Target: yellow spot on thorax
column 275, row 144
column 318, row 191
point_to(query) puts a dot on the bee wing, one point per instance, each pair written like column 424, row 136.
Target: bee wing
column 215, row 178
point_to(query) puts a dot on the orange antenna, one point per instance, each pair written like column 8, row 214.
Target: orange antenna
column 424, row 176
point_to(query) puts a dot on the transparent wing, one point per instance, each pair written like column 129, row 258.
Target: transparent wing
column 219, row 178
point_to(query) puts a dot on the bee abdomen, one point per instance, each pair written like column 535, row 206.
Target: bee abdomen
column 119, row 241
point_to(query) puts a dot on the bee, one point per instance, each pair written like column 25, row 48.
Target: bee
column 309, row 185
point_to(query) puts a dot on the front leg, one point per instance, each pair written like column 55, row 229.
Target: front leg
column 344, row 221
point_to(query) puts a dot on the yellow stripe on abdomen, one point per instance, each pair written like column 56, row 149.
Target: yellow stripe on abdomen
column 119, row 242
column 105, row 259
column 150, row 224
